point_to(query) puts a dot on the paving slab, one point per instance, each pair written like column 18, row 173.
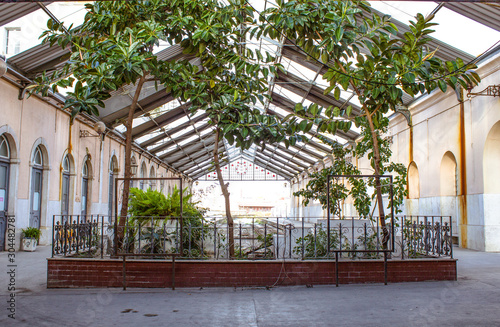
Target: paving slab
column 473, row 300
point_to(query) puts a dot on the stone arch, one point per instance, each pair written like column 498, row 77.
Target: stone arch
column 491, row 161
column 413, row 181
column 42, row 144
column 12, row 170
column 448, row 175
column 11, row 137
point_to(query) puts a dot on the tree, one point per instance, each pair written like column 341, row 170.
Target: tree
column 115, row 47
column 366, row 55
column 231, row 85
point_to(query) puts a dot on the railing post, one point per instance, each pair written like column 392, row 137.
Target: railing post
column 151, row 235
column 303, row 228
column 336, row 269
column 277, row 237
column 385, row 268
column 215, row 238
column 53, row 227
column 451, row 239
column 102, row 235
column 265, row 240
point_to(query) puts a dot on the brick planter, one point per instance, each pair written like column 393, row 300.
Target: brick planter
column 66, row 273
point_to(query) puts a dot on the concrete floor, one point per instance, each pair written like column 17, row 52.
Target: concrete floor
column 474, row 300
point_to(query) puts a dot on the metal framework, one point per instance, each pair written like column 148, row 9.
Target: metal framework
column 185, row 141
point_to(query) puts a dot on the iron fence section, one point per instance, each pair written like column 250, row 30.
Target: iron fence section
column 255, row 238
column 77, row 235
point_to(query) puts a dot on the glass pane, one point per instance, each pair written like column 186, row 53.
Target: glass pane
column 85, row 169
column 38, row 180
column 38, row 157
column 3, row 177
column 36, row 201
column 66, row 164
column 2, row 200
column 4, row 147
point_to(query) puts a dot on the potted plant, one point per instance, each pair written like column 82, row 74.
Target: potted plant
column 31, row 235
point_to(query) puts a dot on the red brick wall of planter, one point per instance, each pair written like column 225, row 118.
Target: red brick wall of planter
column 65, row 273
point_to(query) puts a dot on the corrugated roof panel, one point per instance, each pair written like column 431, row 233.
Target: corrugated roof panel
column 487, row 14
column 9, row 12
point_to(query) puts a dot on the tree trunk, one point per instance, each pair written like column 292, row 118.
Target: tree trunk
column 225, row 192
column 376, row 159
column 128, row 157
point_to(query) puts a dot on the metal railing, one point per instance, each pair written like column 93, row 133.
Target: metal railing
column 426, row 236
column 77, row 235
column 255, row 238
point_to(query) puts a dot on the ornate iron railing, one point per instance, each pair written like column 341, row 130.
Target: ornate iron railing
column 426, row 236
column 256, row 238
column 77, row 235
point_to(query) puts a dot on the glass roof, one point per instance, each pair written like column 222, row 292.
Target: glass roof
column 454, row 29
column 170, row 130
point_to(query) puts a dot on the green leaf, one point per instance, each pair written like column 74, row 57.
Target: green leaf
column 442, row 85
column 302, row 125
column 336, row 93
column 299, row 107
column 348, row 110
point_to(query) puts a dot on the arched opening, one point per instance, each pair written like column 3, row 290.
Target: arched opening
column 152, row 174
column 113, row 172
column 413, row 181
column 86, row 188
column 448, row 175
column 491, row 196
column 162, row 183
column 449, row 189
column 143, row 174
column 4, row 187
column 491, row 161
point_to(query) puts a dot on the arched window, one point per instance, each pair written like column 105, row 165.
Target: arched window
column 113, row 170
column 86, row 175
column 143, row 174
column 66, row 175
column 38, row 157
column 152, row 174
column 4, row 149
column 36, row 187
column 4, row 186
column 162, row 183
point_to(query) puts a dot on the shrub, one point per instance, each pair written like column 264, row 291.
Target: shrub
column 31, row 232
